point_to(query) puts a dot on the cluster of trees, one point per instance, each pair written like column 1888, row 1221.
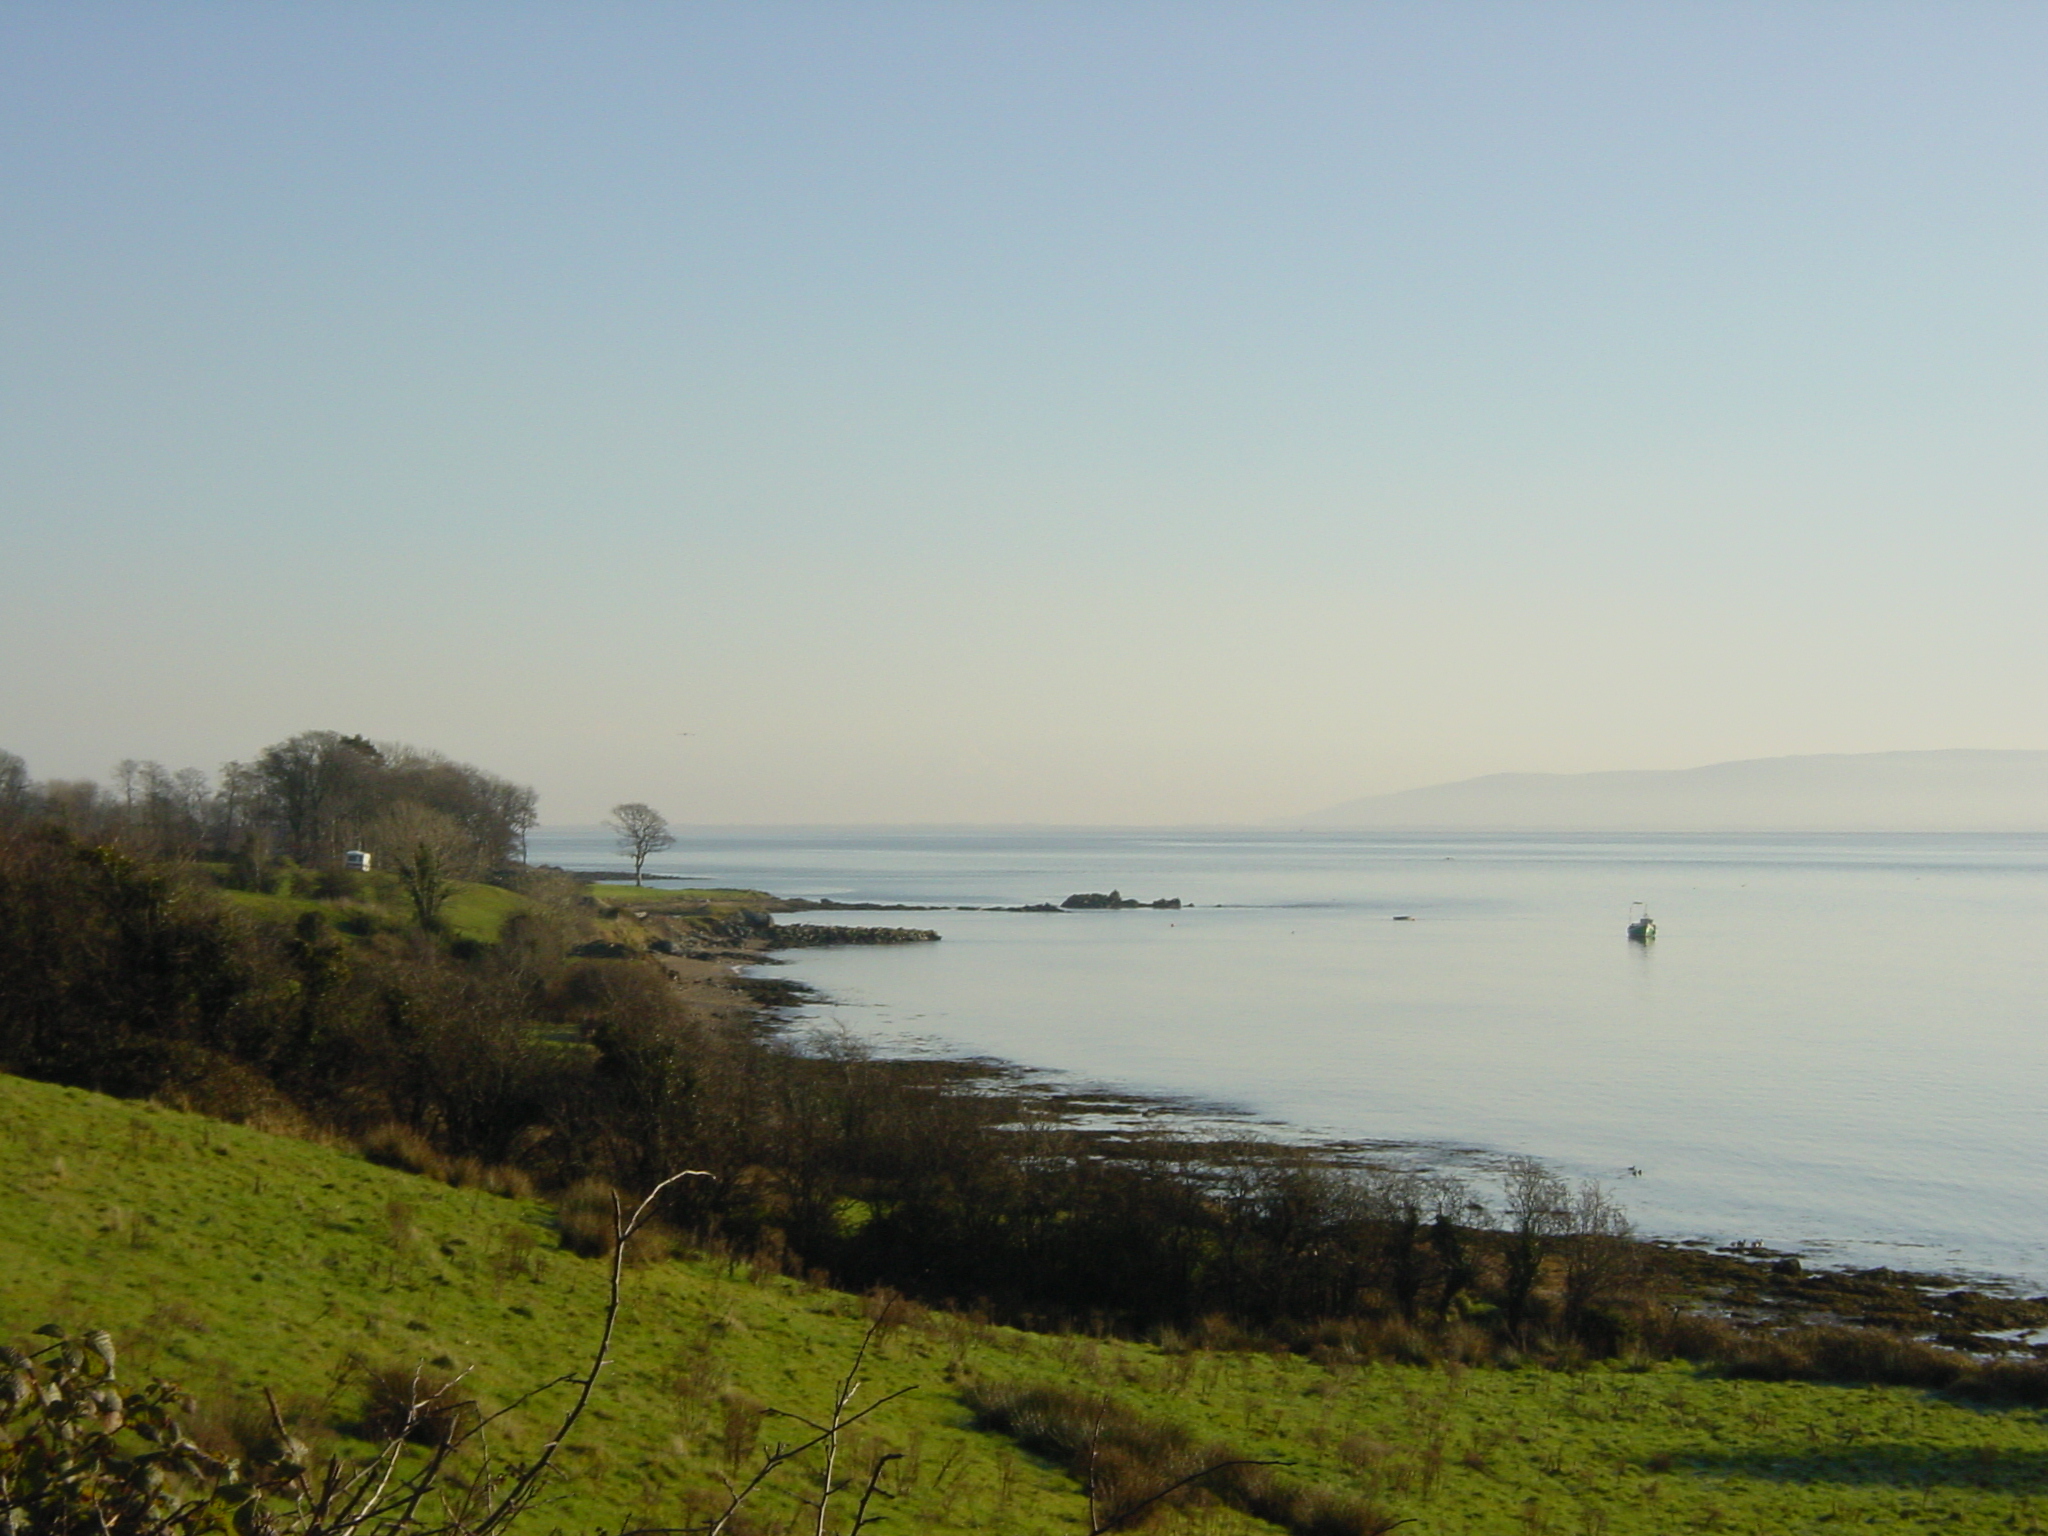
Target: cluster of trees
column 309, row 798
column 127, row 976
column 144, row 802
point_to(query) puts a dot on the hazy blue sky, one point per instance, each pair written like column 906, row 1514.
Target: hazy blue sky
column 1091, row 412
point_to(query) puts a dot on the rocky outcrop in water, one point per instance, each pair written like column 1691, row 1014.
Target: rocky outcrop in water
column 1115, row 901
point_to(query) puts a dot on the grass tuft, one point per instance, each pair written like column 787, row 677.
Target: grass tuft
column 584, row 1217
column 402, row 1147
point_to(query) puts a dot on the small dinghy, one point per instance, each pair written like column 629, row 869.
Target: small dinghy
column 1641, row 926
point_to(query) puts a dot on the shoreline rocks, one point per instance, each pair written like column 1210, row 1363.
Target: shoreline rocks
column 819, row 935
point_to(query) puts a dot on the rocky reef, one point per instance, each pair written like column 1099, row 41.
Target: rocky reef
column 818, row 935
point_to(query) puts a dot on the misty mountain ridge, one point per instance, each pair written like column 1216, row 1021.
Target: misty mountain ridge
column 1949, row 791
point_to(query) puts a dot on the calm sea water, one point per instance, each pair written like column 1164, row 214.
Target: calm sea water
column 1837, row 1044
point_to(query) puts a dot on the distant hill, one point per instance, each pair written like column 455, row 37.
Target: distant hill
column 1872, row 791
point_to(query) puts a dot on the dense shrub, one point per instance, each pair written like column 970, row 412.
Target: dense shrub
column 422, row 1406
column 124, row 977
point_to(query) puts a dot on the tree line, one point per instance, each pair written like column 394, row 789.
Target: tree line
column 309, row 798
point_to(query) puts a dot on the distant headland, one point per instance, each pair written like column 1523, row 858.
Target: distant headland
column 1955, row 791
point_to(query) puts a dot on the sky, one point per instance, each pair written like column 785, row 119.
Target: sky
column 1039, row 412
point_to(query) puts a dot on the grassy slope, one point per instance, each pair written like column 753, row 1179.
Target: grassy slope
column 229, row 1259
column 478, row 911
column 472, row 911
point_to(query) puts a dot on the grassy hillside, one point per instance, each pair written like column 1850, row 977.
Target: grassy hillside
column 478, row 911
column 230, row 1260
column 473, row 910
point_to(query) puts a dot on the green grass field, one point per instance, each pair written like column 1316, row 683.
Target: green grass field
column 229, row 1259
column 691, row 901
column 472, row 911
column 478, row 911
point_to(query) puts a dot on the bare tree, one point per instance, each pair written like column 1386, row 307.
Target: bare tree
column 641, row 831
column 235, row 819
column 16, row 788
column 517, row 807
column 128, row 774
column 1601, row 1256
column 1537, row 1204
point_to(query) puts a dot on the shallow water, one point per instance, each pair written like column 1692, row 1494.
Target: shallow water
column 1835, row 1045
